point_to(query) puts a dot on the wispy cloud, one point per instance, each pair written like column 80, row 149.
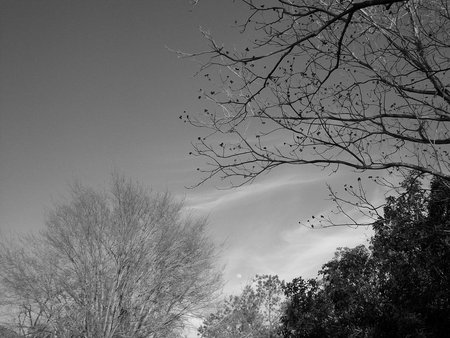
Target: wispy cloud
column 223, row 198
column 260, row 224
column 299, row 252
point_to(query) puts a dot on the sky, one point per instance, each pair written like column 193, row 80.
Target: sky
column 89, row 87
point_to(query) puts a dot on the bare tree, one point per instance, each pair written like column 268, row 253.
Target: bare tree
column 123, row 263
column 363, row 84
column 256, row 312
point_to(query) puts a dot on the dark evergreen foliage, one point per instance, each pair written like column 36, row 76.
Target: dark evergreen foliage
column 399, row 287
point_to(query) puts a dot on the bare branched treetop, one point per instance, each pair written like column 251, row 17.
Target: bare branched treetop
column 363, row 84
column 117, row 263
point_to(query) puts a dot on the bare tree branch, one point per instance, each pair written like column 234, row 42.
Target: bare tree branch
column 329, row 83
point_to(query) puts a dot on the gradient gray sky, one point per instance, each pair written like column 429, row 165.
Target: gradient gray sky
column 87, row 87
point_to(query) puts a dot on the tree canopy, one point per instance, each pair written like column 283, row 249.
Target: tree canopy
column 360, row 84
column 118, row 263
column 398, row 287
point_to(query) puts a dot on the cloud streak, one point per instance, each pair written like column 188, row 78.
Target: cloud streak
column 223, row 198
column 260, row 226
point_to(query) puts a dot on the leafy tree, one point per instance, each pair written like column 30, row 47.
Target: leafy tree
column 399, row 287
column 308, row 312
column 412, row 246
column 255, row 313
column 362, row 84
column 117, row 263
column 341, row 303
column 351, row 285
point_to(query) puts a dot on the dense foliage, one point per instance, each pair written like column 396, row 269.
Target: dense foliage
column 399, row 287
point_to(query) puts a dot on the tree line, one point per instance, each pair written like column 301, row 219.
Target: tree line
column 125, row 262
column 397, row 286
